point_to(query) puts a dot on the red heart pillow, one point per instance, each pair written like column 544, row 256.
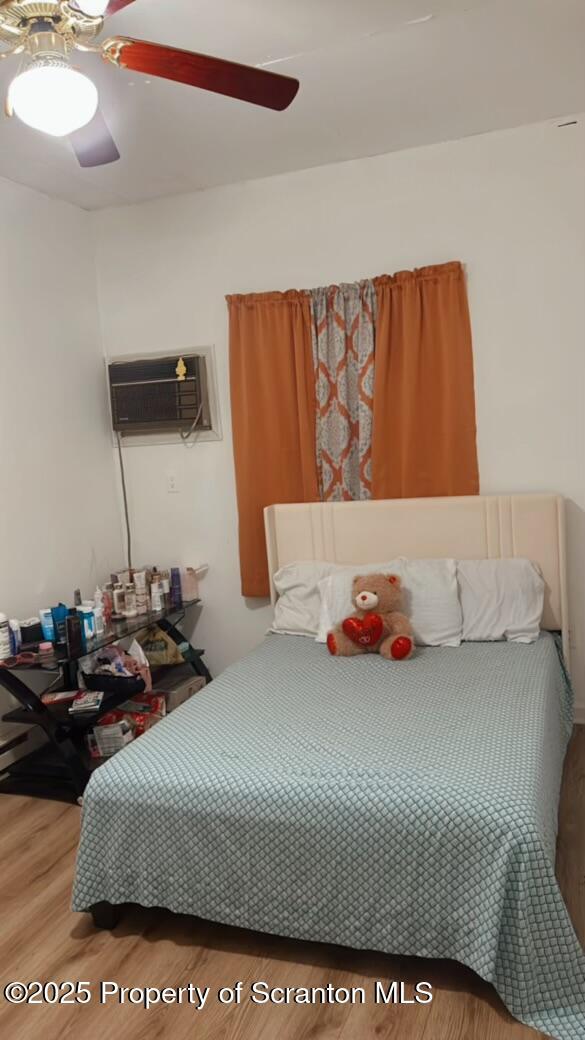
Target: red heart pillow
column 366, row 632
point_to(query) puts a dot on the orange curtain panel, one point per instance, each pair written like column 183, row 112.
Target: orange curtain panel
column 273, row 416
column 424, row 435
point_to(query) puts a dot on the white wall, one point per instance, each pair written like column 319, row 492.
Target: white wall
column 511, row 205
column 59, row 519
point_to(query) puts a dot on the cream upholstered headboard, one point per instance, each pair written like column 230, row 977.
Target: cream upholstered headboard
column 471, row 528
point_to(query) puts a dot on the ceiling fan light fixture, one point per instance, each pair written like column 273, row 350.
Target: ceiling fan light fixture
column 94, row 8
column 52, row 97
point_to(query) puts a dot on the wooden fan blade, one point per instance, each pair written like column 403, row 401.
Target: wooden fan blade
column 116, row 5
column 94, row 144
column 243, row 82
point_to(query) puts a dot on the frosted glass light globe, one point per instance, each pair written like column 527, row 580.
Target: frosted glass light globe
column 53, row 98
column 94, row 8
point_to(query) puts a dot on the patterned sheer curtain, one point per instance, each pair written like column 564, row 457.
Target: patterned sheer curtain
column 343, row 353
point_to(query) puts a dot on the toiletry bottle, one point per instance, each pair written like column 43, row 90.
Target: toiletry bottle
column 47, row 657
column 130, row 610
column 98, row 612
column 86, row 613
column 119, row 601
column 4, row 637
column 77, row 598
column 176, row 593
column 15, row 637
column 108, row 602
column 166, row 589
column 47, row 624
column 100, row 624
column 156, row 596
column 59, row 617
column 74, row 632
column 142, row 601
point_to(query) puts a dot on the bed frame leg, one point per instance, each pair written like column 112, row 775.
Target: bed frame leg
column 105, row 915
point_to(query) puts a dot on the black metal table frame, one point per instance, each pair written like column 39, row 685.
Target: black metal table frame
column 67, row 736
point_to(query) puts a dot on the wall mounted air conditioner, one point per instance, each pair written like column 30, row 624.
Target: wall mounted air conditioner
column 173, row 394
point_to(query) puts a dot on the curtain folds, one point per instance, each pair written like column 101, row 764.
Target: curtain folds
column 350, row 392
column 273, row 416
column 424, row 432
column 343, row 355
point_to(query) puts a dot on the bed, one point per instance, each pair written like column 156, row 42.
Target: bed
column 412, row 809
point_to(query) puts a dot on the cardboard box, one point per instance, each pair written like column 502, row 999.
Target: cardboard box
column 182, row 690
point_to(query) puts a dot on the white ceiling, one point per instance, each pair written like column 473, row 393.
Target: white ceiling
column 370, row 83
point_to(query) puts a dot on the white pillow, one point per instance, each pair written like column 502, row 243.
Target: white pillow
column 430, row 599
column 500, row 599
column 297, row 609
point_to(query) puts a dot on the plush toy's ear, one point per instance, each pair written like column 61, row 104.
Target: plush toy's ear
column 394, row 579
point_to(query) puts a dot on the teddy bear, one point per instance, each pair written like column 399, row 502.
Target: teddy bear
column 378, row 626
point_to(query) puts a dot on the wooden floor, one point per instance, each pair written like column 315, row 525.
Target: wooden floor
column 41, row 939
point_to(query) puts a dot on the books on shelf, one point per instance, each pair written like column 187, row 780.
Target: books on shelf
column 60, row 697
column 86, row 702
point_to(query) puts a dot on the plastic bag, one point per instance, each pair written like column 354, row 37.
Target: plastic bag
column 159, row 648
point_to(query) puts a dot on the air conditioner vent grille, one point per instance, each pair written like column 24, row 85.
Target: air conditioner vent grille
column 147, row 395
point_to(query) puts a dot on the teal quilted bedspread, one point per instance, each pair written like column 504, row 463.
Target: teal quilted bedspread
column 409, row 808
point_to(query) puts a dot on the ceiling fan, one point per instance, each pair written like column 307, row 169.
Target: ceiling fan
column 52, row 96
